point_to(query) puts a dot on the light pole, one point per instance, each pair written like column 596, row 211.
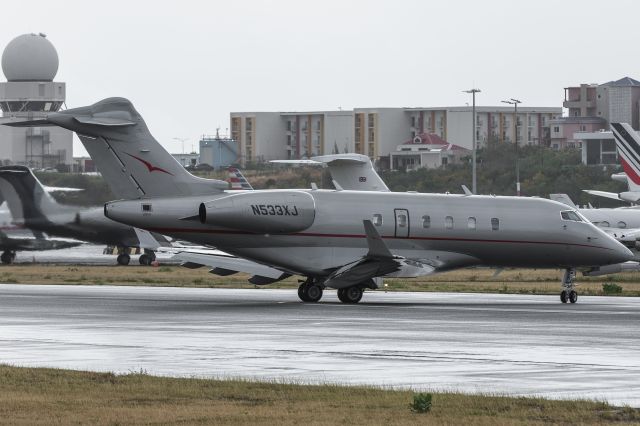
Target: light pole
column 473, row 138
column 182, row 140
column 515, row 103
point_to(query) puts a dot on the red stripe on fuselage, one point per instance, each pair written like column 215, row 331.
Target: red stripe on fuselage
column 303, row 234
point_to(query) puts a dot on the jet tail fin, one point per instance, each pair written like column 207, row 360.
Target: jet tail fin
column 350, row 171
column 131, row 160
column 26, row 197
column 628, row 145
column 564, row 199
column 237, row 181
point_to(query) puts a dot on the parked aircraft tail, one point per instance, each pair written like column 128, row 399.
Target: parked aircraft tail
column 27, row 198
column 237, row 181
column 628, row 144
column 349, row 171
column 132, row 161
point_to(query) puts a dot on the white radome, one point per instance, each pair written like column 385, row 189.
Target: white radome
column 30, row 57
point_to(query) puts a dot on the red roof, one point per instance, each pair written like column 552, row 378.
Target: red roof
column 431, row 139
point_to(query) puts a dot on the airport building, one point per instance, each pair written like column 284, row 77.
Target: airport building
column 379, row 132
column 591, row 108
column 30, row 64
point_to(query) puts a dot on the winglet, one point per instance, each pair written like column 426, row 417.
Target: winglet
column 377, row 247
column 466, row 190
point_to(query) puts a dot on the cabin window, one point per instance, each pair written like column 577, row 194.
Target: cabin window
column 571, row 215
column 495, row 224
column 604, row 224
column 448, row 222
column 146, row 208
column 402, row 220
column 622, row 224
column 377, row 219
column 426, row 221
column 471, row 223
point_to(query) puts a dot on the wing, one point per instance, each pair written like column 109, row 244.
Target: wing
column 224, row 264
column 378, row 262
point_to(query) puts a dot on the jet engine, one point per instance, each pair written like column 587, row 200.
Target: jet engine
column 278, row 212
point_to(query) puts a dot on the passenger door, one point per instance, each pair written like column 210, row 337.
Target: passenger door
column 402, row 223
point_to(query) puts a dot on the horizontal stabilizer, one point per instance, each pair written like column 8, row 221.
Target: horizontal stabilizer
column 29, row 123
column 604, row 194
column 103, row 121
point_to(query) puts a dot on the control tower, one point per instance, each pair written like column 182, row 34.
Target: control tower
column 30, row 63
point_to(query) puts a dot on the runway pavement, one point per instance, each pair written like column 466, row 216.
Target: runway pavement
column 519, row 345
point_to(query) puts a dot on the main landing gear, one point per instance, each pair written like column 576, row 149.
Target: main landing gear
column 8, row 256
column 147, row 258
column 350, row 294
column 123, row 259
column 569, row 293
column 310, row 291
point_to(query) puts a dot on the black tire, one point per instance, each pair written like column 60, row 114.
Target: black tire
column 7, row 257
column 302, row 294
column 123, row 259
column 350, row 295
column 573, row 296
column 313, row 293
column 145, row 259
column 563, row 297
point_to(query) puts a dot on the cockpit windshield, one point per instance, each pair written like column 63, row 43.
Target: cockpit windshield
column 571, row 215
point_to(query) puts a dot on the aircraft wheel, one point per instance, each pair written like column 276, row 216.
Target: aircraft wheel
column 123, row 259
column 301, row 292
column 563, row 297
column 310, row 292
column 350, row 294
column 145, row 259
column 573, row 296
column 7, row 257
column 314, row 293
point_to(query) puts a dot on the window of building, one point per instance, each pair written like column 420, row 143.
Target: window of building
column 471, row 223
column 445, row 161
column 377, row 219
column 495, row 224
column 448, row 222
column 371, row 119
column 556, row 129
column 426, row 221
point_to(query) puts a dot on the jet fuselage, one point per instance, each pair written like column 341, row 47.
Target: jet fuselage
column 445, row 231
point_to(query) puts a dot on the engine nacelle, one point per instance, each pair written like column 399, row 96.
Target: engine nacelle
column 278, row 212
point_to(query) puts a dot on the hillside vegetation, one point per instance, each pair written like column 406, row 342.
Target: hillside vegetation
column 542, row 171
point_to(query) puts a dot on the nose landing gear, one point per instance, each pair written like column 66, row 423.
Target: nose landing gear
column 569, row 293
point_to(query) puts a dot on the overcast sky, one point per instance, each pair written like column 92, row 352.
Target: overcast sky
column 186, row 64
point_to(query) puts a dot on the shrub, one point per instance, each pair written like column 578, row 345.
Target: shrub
column 421, row 403
column 611, row 288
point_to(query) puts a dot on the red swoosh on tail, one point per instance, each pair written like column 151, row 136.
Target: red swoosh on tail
column 150, row 166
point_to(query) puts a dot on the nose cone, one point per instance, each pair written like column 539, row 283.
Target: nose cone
column 618, row 253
